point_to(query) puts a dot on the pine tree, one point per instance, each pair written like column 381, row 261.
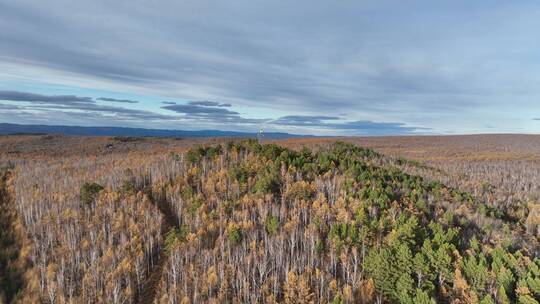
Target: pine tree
column 379, row 266
column 501, row 296
column 476, row 271
column 422, row 297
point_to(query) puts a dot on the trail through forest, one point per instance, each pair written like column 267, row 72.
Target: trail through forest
column 148, row 293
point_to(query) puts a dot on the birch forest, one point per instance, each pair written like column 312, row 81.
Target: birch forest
column 247, row 222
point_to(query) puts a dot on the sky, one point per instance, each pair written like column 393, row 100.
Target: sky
column 303, row 66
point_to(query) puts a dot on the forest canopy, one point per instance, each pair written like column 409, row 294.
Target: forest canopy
column 244, row 222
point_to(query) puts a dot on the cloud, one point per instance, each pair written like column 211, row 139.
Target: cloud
column 362, row 127
column 213, row 112
column 209, row 104
column 200, row 110
column 72, row 103
column 38, row 98
column 536, row 118
column 377, row 128
column 117, row 100
column 9, row 107
column 168, row 102
column 87, row 108
column 116, row 111
column 298, row 120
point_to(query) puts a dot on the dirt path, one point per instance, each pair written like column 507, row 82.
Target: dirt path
column 149, row 291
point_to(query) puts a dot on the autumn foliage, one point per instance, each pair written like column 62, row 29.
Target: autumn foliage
column 241, row 222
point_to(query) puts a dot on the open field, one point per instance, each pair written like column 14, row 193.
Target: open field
column 164, row 220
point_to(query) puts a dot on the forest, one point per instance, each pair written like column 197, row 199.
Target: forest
column 245, row 222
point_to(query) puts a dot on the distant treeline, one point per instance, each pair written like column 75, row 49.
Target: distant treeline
column 16, row 129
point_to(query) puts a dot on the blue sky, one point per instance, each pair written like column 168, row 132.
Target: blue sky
column 312, row 67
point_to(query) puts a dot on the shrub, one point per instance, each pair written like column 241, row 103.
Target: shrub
column 240, row 173
column 271, row 224
column 89, row 192
column 197, row 154
column 175, row 236
column 267, row 184
column 128, row 186
column 320, row 246
column 212, row 152
column 195, row 205
column 235, row 236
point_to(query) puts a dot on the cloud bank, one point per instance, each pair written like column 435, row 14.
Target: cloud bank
column 419, row 63
column 76, row 107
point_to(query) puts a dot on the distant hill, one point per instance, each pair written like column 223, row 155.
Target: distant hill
column 16, row 129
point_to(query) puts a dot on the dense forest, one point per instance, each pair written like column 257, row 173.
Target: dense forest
column 243, row 222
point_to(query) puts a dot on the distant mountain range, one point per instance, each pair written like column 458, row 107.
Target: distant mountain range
column 15, row 129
